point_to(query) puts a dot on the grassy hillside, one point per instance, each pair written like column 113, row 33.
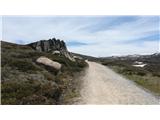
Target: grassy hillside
column 90, row 58
column 23, row 81
column 147, row 76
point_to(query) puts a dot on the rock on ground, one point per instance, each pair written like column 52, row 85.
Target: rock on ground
column 48, row 62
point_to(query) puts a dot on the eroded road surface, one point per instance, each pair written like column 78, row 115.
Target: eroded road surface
column 103, row 86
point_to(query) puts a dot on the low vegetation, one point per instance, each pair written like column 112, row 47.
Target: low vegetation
column 147, row 77
column 23, row 81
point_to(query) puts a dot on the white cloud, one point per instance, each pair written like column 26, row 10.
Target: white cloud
column 0, row 27
column 104, row 37
column 111, row 49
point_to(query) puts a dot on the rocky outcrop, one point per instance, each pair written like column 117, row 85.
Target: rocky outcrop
column 51, row 46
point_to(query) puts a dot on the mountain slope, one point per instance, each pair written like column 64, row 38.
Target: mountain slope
column 24, row 81
column 142, row 69
column 30, row 77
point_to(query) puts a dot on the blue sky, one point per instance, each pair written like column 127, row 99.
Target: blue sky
column 90, row 35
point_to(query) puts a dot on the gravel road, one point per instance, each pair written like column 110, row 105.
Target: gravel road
column 101, row 85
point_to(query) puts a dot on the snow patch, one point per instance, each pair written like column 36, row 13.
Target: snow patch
column 139, row 64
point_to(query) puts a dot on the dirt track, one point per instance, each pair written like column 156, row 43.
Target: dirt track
column 103, row 86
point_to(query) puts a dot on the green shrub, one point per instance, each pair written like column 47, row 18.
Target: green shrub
column 23, row 65
column 18, row 62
